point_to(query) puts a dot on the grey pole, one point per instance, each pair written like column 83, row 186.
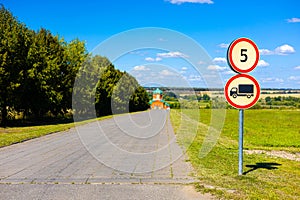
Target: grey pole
column 241, row 132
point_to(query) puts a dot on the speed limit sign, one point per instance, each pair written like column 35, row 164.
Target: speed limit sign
column 242, row 55
column 242, row 91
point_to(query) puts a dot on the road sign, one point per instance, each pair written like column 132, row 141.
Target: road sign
column 242, row 55
column 242, row 91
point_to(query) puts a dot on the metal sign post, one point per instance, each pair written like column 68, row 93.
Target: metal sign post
column 241, row 138
column 242, row 90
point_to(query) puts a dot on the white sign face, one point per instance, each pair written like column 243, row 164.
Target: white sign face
column 242, row 91
column 243, row 55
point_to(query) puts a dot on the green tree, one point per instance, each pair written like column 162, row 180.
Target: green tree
column 268, row 100
column 44, row 83
column 139, row 100
column 116, row 91
column 84, row 91
column 206, row 97
column 38, row 72
column 75, row 55
column 277, row 98
column 108, row 80
column 14, row 43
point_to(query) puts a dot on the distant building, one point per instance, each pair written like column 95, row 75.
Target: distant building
column 157, row 101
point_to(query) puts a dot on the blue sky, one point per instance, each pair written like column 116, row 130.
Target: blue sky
column 273, row 25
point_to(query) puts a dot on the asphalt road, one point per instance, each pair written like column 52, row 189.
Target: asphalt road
column 126, row 157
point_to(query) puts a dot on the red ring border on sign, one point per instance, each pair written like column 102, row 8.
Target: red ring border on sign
column 245, row 76
column 229, row 55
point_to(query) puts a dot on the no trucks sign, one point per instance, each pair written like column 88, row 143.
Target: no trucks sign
column 242, row 91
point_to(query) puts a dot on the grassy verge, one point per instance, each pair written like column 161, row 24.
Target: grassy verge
column 266, row 177
column 13, row 135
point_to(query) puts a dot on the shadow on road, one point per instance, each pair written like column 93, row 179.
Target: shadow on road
column 39, row 122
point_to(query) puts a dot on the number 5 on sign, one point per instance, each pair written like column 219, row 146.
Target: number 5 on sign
column 242, row 55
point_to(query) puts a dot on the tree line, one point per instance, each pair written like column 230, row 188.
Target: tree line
column 38, row 71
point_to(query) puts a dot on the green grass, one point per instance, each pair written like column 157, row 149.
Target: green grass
column 13, row 135
column 264, row 129
column 203, row 104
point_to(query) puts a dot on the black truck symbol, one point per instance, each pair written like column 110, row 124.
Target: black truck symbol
column 242, row 90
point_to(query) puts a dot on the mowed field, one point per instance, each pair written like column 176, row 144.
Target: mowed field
column 266, row 176
column 263, row 96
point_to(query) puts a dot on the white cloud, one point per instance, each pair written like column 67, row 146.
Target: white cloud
column 281, row 50
column 229, row 72
column 141, row 68
column 140, row 53
column 276, row 80
column 201, row 62
column 284, row 50
column 223, row 45
column 190, row 1
column 162, row 40
column 219, row 60
column 293, row 20
column 184, row 77
column 166, row 73
column 195, row 78
column 297, row 68
column 294, row 78
column 215, row 68
column 149, row 59
column 267, row 79
column 210, row 76
column 174, row 54
column 183, row 70
column 262, row 63
column 266, row 52
column 279, row 80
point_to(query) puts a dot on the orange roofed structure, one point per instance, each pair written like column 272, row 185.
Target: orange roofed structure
column 157, row 101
